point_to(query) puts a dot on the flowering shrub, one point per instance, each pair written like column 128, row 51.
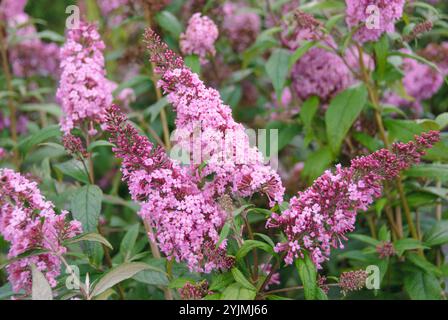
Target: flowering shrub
column 223, row 150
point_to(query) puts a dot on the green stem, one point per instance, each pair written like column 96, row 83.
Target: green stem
column 374, row 98
column 163, row 117
column 11, row 105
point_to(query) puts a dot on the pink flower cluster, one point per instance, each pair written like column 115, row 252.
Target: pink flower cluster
column 114, row 10
column 185, row 219
column 29, row 222
column 200, row 37
column 301, row 27
column 125, row 97
column 438, row 53
column 320, row 73
column 194, row 291
column 207, row 131
column 21, row 124
column 30, row 56
column 352, row 281
column 360, row 15
column 240, row 25
column 11, row 8
column 318, row 218
column 84, row 92
column 420, row 81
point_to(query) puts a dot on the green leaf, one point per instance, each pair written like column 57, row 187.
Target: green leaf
column 442, row 120
column 415, row 57
column 241, row 279
column 40, row 289
column 40, row 136
column 238, row 211
column 224, row 233
column 344, row 109
column 193, row 62
column 308, row 111
column 367, row 141
column 50, row 35
column 6, row 292
column 50, row 108
column 75, row 169
column 381, row 49
column 265, row 238
column 277, row 69
column 118, row 274
column 168, row 22
column 317, row 162
column 422, row 263
column 433, row 170
column 91, row 236
column 237, row 292
column 154, row 109
column 128, row 242
column 136, row 81
column 308, row 275
column 221, row 280
column 250, row 245
column 300, row 51
column 180, row 282
column 422, row 286
column 403, row 130
column 86, row 206
column 437, row 235
column 27, row 254
column 99, row 143
column 365, row 239
column 153, row 275
column 286, row 133
column 403, row 245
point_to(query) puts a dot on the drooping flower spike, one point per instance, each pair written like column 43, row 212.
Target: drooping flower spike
column 206, row 129
column 84, row 92
column 319, row 217
column 186, row 221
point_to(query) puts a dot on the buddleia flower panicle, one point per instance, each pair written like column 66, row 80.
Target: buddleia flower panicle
column 84, row 92
column 204, row 122
column 186, row 221
column 29, row 222
column 318, row 218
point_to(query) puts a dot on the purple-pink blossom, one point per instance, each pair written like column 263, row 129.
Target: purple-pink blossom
column 186, row 221
column 420, row 82
column 11, row 8
column 200, row 37
column 30, row 56
column 372, row 18
column 240, row 25
column 206, row 130
column 318, row 218
column 320, row 73
column 29, row 222
column 84, row 92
